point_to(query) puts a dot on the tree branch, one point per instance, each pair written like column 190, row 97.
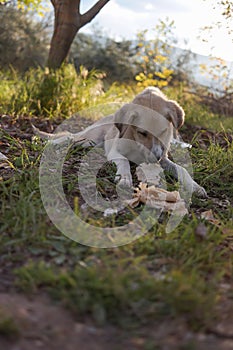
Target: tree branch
column 78, row 6
column 54, row 2
column 94, row 10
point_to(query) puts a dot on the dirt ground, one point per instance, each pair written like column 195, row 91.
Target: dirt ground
column 45, row 325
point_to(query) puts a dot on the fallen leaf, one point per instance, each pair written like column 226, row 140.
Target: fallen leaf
column 209, row 216
column 158, row 198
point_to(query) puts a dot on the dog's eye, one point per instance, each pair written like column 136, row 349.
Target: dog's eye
column 143, row 133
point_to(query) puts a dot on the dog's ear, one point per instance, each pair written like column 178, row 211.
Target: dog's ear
column 124, row 118
column 175, row 114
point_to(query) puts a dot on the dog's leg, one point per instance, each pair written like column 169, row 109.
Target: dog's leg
column 111, row 146
column 123, row 174
column 183, row 176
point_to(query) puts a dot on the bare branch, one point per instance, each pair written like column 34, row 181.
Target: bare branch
column 94, row 10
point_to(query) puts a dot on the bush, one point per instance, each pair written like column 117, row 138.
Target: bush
column 23, row 42
column 99, row 52
column 49, row 93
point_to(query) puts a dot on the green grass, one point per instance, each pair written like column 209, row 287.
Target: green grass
column 198, row 114
column 152, row 279
column 8, row 327
column 160, row 276
column 122, row 290
column 213, row 168
column 55, row 94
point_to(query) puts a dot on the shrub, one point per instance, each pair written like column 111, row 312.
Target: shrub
column 99, row 52
column 23, row 42
column 49, row 93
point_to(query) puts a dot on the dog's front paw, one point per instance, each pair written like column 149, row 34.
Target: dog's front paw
column 124, row 181
column 199, row 191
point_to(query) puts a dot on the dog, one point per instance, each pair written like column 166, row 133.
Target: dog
column 140, row 131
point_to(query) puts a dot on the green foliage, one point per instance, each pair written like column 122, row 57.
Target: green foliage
column 197, row 112
column 218, row 95
column 35, row 4
column 23, row 41
column 25, row 5
column 154, row 56
column 125, row 59
column 219, row 72
column 49, row 93
column 8, row 327
column 97, row 51
column 122, row 290
column 215, row 169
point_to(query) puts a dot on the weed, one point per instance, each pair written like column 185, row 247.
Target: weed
column 213, row 168
column 122, row 291
column 8, row 327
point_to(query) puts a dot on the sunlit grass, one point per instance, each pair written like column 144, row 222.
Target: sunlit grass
column 55, row 94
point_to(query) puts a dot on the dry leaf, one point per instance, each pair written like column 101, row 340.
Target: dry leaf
column 209, row 216
column 154, row 193
column 158, row 198
column 154, row 196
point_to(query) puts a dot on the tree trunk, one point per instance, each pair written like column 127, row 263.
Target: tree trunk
column 68, row 21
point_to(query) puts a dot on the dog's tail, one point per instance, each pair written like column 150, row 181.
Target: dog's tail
column 48, row 136
column 61, row 137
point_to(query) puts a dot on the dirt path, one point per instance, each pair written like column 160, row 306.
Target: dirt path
column 45, row 325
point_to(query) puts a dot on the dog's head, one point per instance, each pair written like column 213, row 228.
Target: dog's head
column 153, row 98
column 150, row 120
column 151, row 131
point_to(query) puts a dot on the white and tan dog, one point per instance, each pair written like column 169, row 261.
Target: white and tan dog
column 140, row 131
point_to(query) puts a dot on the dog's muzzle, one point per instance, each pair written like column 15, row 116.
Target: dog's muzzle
column 156, row 153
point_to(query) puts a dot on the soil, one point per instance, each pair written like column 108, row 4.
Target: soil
column 42, row 324
column 47, row 326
